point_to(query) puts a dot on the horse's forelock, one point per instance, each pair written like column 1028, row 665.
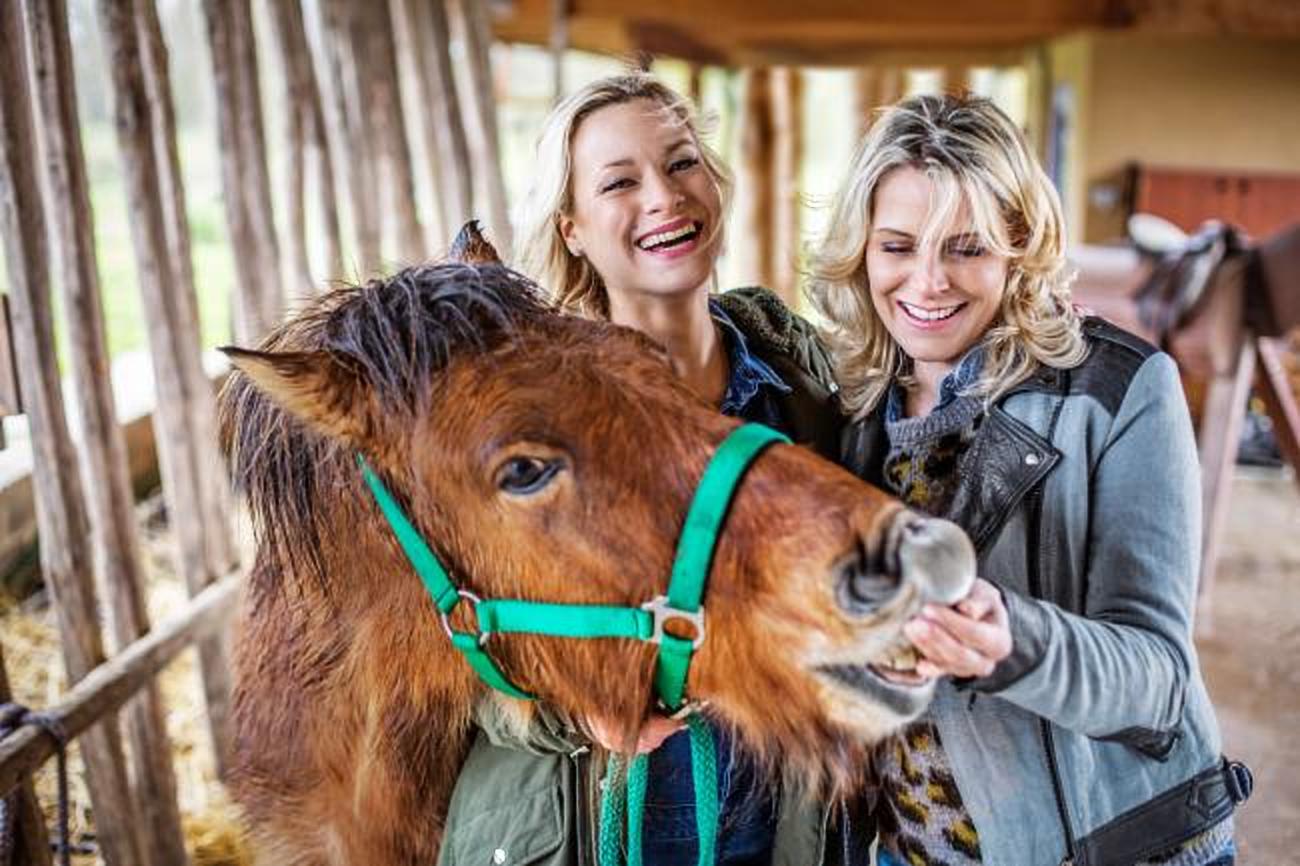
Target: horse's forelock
column 396, row 336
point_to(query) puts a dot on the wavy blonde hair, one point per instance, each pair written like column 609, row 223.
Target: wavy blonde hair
column 973, row 154
column 571, row 280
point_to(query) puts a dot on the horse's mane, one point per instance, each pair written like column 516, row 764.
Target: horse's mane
column 396, row 335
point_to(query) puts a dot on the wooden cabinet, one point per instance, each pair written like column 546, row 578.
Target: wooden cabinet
column 1260, row 203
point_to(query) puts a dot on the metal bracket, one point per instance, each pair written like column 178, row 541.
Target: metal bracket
column 661, row 613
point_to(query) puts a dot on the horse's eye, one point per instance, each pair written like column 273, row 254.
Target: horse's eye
column 526, row 475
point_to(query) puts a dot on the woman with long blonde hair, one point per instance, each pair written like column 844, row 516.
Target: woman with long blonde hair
column 624, row 222
column 1071, row 724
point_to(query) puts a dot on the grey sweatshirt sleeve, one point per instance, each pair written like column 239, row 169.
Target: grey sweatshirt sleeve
column 1122, row 668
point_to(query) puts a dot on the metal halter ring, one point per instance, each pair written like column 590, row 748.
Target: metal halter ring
column 661, row 613
column 474, row 601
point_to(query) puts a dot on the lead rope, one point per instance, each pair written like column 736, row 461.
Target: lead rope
column 623, row 794
column 15, row 716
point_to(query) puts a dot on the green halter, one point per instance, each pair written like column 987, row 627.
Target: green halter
column 685, row 591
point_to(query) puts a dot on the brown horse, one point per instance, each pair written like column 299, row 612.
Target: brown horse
column 545, row 458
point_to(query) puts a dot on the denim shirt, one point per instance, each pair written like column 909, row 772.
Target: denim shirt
column 963, row 375
column 748, row 824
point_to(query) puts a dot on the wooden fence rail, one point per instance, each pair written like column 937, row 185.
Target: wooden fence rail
column 113, row 683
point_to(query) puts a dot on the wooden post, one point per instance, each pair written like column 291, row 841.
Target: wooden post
column 444, row 125
column 475, row 32
column 695, row 84
column 214, row 491
column 787, row 154
column 1280, row 401
column 31, row 843
column 415, row 93
column 386, row 124
column 346, row 108
column 184, row 406
column 1218, row 438
column 305, row 135
column 754, row 198
column 876, row 87
column 956, row 78
column 11, row 398
column 103, row 449
column 559, row 43
column 245, row 181
column 60, row 512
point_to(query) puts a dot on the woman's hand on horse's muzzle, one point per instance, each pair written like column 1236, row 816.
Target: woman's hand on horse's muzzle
column 967, row 639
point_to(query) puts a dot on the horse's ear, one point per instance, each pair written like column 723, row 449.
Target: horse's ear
column 311, row 386
column 471, row 248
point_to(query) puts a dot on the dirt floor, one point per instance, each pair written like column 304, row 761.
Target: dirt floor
column 1250, row 655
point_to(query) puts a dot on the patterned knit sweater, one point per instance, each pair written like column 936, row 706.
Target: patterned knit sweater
column 921, row 818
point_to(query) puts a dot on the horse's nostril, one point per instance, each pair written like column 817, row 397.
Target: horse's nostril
column 863, row 585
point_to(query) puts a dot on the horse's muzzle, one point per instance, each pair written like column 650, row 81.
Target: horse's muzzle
column 932, row 557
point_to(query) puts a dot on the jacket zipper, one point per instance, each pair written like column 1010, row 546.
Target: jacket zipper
column 586, row 843
column 1045, row 727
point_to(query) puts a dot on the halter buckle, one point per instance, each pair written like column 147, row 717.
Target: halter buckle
column 474, row 601
column 660, row 613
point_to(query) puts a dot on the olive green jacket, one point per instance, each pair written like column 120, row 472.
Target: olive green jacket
column 534, row 800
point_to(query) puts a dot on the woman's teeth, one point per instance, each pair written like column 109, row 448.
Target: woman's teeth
column 662, row 238
column 925, row 315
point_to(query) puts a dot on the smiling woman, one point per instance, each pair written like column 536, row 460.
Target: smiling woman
column 1062, row 446
column 624, row 223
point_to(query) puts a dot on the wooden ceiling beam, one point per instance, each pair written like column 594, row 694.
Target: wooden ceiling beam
column 835, row 32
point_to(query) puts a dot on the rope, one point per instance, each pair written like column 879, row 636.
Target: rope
column 613, row 803
column 624, row 791
column 704, row 772
column 638, row 779
column 15, row 716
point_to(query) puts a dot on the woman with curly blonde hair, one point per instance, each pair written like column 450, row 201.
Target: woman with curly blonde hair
column 1071, row 724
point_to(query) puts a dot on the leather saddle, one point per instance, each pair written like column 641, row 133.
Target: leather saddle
column 1194, row 295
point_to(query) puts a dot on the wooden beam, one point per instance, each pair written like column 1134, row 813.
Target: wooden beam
column 386, row 126
column 11, row 397
column 1280, row 400
column 754, row 194
column 103, row 690
column 305, row 144
column 1218, row 439
column 184, row 418
column 60, row 510
column 877, row 87
column 440, row 112
column 787, row 156
column 214, row 494
column 772, row 32
column 475, row 33
column 559, row 44
column 245, row 182
column 102, row 449
column 344, row 108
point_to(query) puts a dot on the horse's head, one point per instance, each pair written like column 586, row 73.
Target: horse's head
column 551, row 458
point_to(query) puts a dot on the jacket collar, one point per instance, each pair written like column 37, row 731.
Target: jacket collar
column 1013, row 459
